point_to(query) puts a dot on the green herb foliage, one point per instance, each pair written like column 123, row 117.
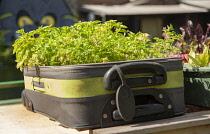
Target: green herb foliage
column 199, row 60
column 85, row 42
column 165, row 47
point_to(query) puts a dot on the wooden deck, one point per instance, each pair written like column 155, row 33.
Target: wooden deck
column 191, row 123
column 15, row 119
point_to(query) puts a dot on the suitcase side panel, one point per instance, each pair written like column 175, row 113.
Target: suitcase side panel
column 76, row 88
column 87, row 112
column 93, row 70
column 70, row 112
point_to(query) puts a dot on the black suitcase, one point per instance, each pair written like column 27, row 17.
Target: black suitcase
column 106, row 94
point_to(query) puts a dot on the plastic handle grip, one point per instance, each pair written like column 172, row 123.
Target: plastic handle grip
column 160, row 76
column 38, row 85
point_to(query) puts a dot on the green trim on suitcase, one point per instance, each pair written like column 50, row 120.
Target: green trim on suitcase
column 76, row 88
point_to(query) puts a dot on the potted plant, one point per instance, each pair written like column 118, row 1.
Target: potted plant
column 89, row 42
column 195, row 45
column 90, row 74
column 194, row 39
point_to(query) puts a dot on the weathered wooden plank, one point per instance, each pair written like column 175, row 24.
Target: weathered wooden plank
column 205, row 129
column 15, row 119
column 197, row 122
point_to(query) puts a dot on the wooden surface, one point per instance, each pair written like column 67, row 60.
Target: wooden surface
column 15, row 119
column 190, row 123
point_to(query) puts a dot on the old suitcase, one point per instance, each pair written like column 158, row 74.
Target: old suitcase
column 106, row 94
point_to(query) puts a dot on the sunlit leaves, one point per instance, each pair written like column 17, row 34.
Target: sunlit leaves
column 85, row 42
column 199, row 60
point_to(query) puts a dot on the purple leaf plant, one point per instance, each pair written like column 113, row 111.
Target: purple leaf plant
column 193, row 37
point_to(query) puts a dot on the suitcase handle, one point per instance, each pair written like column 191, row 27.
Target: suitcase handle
column 150, row 104
column 38, row 85
column 111, row 79
column 143, row 110
column 125, row 100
